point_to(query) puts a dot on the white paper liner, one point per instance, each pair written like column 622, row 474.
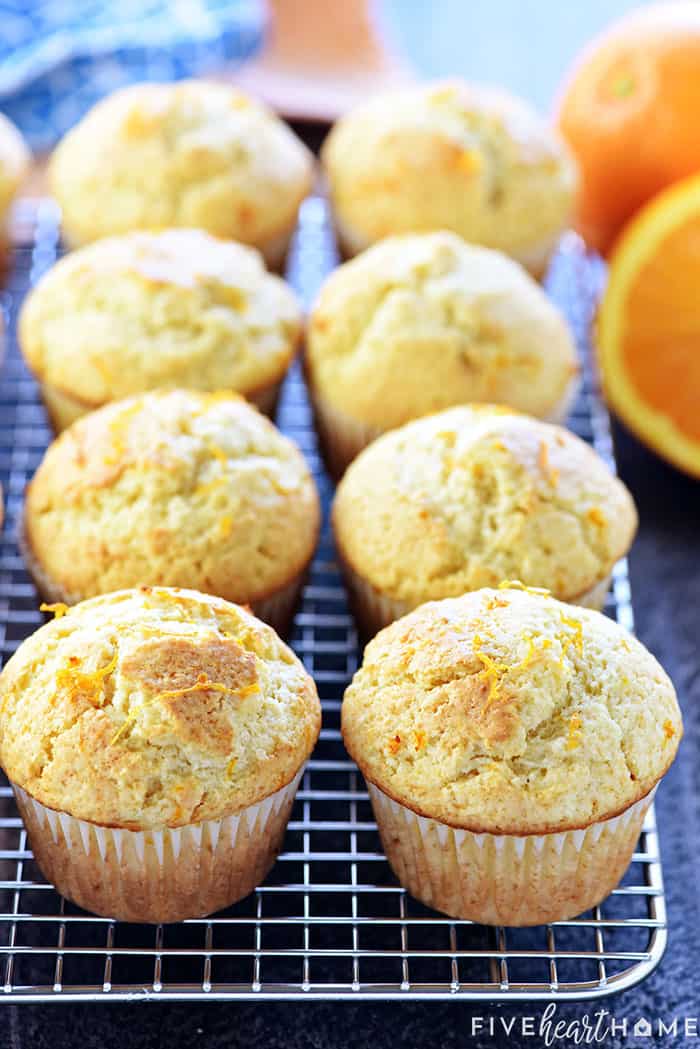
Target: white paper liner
column 265, row 399
column 374, row 610
column 350, row 241
column 274, row 249
column 63, row 410
column 277, row 608
column 342, row 438
column 158, row 875
column 560, row 412
column 535, row 258
column 506, row 879
column 595, row 597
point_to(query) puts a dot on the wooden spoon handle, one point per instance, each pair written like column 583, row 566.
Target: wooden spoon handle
column 320, row 58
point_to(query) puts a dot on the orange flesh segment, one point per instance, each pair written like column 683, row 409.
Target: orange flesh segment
column 661, row 338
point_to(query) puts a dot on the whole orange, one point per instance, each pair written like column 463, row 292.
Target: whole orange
column 630, row 110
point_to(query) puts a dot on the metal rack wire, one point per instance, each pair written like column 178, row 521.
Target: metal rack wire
column 330, row 921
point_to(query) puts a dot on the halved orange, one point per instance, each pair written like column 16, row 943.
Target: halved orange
column 648, row 330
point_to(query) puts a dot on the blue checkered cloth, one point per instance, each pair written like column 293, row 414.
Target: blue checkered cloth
column 58, row 57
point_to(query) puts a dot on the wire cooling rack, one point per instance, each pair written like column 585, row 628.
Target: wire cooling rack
column 331, row 920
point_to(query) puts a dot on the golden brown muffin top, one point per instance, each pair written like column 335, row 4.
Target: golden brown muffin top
column 173, row 488
column 507, row 712
column 192, row 153
column 154, row 708
column 420, row 322
column 451, row 155
column 477, row 494
column 146, row 310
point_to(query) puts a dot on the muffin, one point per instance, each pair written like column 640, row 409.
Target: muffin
column 451, row 155
column 193, row 154
column 177, row 308
column 422, row 322
column 472, row 496
column 174, row 488
column 511, row 747
column 154, row 739
column 14, row 164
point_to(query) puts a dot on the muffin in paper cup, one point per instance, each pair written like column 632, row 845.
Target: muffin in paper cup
column 175, row 308
column 511, row 747
column 451, row 155
column 193, row 154
column 154, row 739
column 174, row 488
column 506, row 879
column 422, row 322
column 473, row 496
column 161, row 875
